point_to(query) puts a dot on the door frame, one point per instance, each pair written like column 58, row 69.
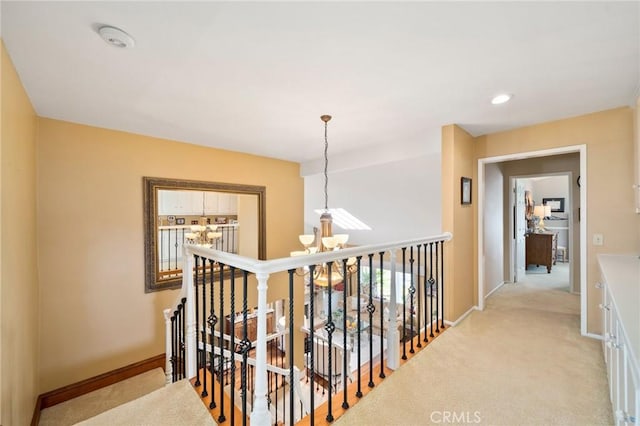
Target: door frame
column 482, row 162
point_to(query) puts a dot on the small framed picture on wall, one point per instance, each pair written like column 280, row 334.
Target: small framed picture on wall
column 465, row 190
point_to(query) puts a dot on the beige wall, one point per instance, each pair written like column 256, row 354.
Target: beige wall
column 608, row 136
column 18, row 264
column 460, row 262
column 95, row 314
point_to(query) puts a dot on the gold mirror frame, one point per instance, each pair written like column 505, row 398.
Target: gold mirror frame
column 151, row 186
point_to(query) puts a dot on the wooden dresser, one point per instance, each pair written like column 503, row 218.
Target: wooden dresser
column 541, row 249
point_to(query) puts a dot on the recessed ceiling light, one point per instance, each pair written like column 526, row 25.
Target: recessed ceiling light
column 501, row 98
column 116, row 37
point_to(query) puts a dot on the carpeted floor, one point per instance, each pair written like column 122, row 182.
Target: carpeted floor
column 101, row 400
column 174, row 405
column 521, row 361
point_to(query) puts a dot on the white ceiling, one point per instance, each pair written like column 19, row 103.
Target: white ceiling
column 255, row 77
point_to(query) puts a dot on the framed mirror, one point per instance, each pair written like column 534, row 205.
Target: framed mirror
column 224, row 216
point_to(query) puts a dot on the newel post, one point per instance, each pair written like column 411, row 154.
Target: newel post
column 393, row 338
column 260, row 415
column 168, row 347
column 190, row 338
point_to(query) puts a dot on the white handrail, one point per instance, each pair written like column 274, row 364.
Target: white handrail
column 286, row 263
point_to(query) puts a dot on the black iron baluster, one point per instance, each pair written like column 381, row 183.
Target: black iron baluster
column 382, row 333
column 311, row 367
column 174, row 339
column 437, row 291
column 371, row 309
column 198, row 352
column 426, row 294
column 221, row 417
column 232, row 345
column 290, row 349
column 345, row 353
column 233, row 240
column 358, row 325
column 404, row 304
column 330, row 328
column 419, row 310
column 442, row 284
column 175, row 245
column 161, row 246
column 245, row 347
column 203, row 334
column 182, row 338
column 412, row 291
column 431, row 281
column 212, row 321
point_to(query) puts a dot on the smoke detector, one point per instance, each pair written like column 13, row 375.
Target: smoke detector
column 116, row 37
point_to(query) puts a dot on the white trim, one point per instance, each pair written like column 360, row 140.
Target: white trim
column 593, row 336
column 582, row 150
column 495, row 289
column 461, row 317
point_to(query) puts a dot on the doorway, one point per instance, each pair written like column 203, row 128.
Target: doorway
column 541, row 214
column 577, row 254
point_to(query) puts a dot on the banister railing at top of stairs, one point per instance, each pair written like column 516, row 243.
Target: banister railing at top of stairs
column 187, row 322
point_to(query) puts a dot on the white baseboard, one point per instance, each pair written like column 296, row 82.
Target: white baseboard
column 495, row 289
column 462, row 317
column 593, row 336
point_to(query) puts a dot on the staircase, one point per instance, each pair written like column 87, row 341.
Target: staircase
column 143, row 399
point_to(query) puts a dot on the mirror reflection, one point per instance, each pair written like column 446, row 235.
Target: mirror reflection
column 225, row 217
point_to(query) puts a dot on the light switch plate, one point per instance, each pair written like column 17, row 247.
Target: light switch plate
column 598, row 239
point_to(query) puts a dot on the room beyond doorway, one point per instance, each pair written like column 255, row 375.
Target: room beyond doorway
column 542, row 218
column 495, row 229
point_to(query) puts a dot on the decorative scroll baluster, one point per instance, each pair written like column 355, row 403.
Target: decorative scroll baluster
column 371, row 309
column 221, row 418
column 198, row 351
column 412, row 291
column 232, row 333
column 358, row 325
column 212, row 321
column 418, row 316
column 442, row 285
column 330, row 328
column 426, row 295
column 345, row 353
column 431, row 282
column 404, row 303
column 382, row 332
column 437, row 291
column 245, row 347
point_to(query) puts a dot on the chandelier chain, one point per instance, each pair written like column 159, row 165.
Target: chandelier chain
column 326, row 164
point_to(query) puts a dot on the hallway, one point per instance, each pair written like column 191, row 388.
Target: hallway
column 520, row 361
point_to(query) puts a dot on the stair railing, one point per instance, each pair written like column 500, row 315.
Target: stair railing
column 225, row 274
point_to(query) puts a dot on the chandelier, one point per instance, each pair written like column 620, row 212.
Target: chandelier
column 323, row 239
column 203, row 234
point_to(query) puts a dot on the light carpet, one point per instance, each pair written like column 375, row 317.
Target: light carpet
column 521, row 361
column 174, row 405
column 101, row 400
